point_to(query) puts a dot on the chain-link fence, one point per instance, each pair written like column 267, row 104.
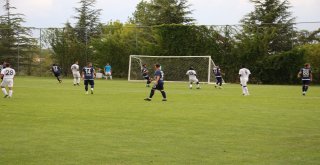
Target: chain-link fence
column 114, row 44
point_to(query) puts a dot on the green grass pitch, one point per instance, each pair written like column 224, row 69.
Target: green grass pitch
column 50, row 123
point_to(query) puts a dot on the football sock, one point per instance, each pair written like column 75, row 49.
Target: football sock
column 86, row 87
column 91, row 89
column 246, row 89
column 307, row 87
column 4, row 91
column 190, row 86
column 303, row 88
column 10, row 93
column 243, row 90
column 151, row 93
column 164, row 94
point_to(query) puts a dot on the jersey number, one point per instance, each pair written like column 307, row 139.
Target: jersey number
column 9, row 72
column 55, row 68
column 305, row 73
column 88, row 70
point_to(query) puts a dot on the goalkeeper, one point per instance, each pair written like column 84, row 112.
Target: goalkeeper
column 145, row 74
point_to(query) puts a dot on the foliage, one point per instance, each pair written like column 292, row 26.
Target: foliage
column 266, row 41
column 87, row 24
column 16, row 44
column 158, row 12
column 307, row 37
column 269, row 28
column 282, row 67
column 66, row 47
column 312, row 56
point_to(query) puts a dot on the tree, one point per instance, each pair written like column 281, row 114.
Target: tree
column 266, row 31
column 16, row 44
column 307, row 37
column 158, row 12
column 271, row 25
column 87, row 24
column 66, row 47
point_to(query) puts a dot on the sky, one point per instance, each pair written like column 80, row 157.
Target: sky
column 54, row 13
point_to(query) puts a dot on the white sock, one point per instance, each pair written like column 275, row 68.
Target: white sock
column 243, row 90
column 78, row 80
column 10, row 93
column 190, row 86
column 110, row 77
column 247, row 91
column 4, row 91
column 91, row 89
column 74, row 81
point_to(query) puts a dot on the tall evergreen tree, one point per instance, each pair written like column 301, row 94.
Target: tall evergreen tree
column 271, row 24
column 158, row 12
column 87, row 24
column 16, row 44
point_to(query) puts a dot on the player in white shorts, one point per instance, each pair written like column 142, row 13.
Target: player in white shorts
column 244, row 78
column 76, row 73
column 193, row 77
column 7, row 74
column 108, row 71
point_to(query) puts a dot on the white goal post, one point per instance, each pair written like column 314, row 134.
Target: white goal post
column 174, row 67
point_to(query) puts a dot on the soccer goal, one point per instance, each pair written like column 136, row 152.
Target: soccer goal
column 174, row 67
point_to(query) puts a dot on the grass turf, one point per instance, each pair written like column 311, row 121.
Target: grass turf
column 50, row 123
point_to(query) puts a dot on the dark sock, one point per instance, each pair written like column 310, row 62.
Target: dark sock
column 151, row 93
column 306, row 89
column 163, row 94
column 86, row 87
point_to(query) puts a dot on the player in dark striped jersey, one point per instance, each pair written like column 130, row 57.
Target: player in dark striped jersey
column 217, row 74
column 158, row 84
column 88, row 75
column 145, row 74
column 56, row 70
column 306, row 76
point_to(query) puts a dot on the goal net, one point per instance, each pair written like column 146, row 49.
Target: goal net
column 174, row 67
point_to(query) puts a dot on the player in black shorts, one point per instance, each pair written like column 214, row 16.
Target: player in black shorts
column 158, row 85
column 306, row 76
column 56, row 70
column 217, row 73
column 145, row 74
column 88, row 75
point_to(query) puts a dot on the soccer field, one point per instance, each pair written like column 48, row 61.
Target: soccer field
column 50, row 123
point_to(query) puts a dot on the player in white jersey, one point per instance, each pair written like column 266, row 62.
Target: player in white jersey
column 75, row 73
column 193, row 77
column 7, row 74
column 244, row 78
